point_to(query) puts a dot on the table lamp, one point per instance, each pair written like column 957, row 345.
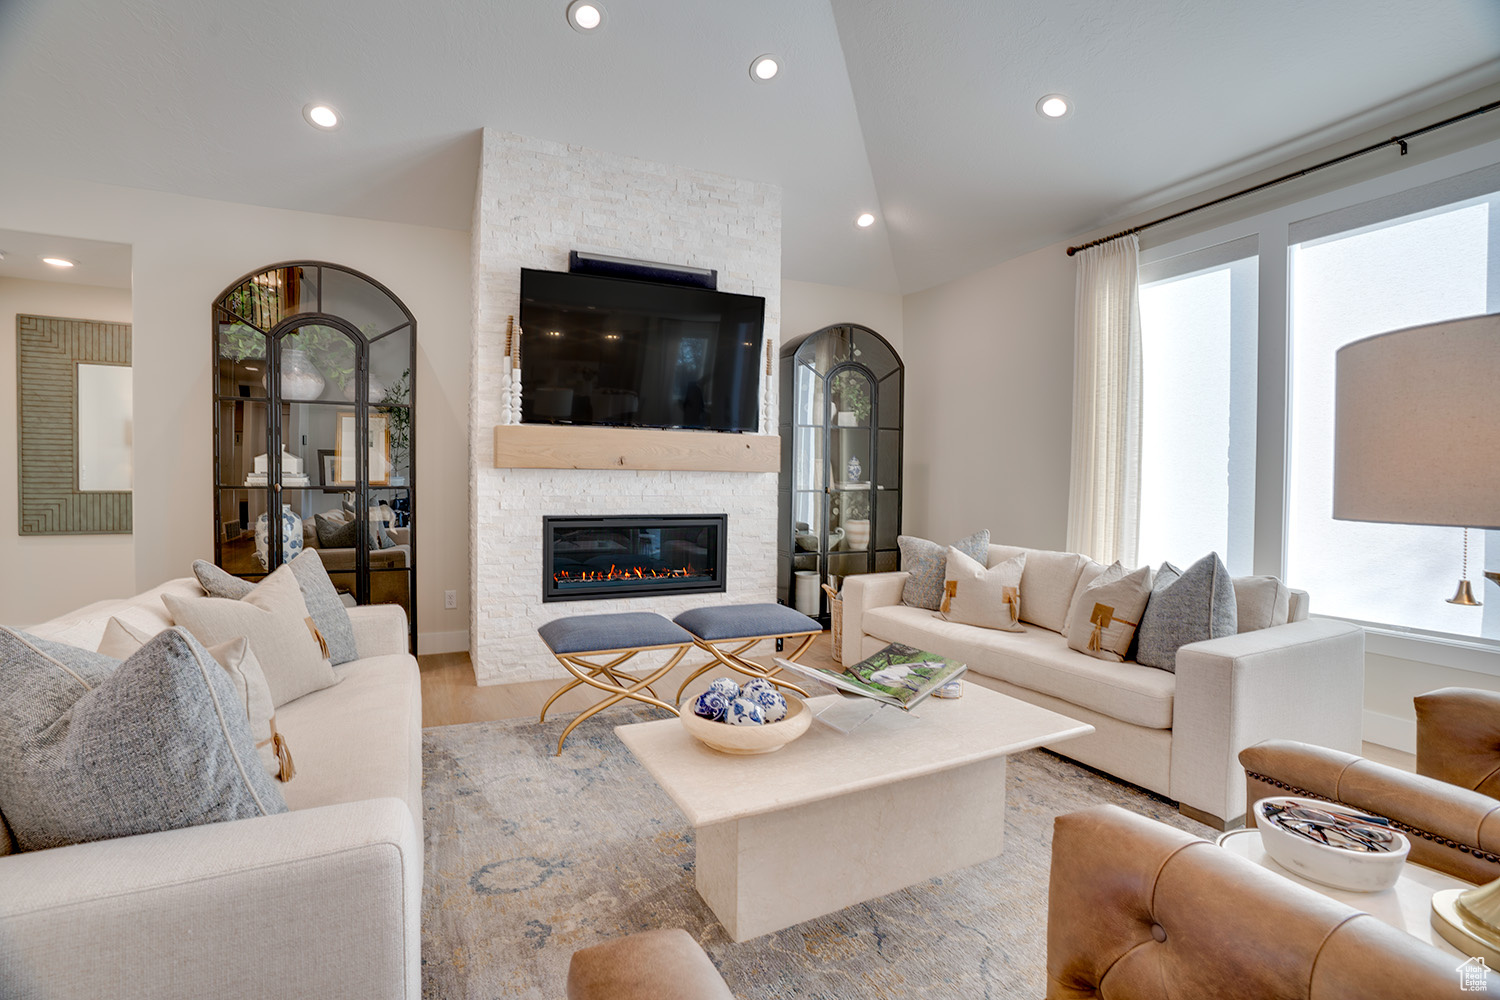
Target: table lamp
column 1417, row 441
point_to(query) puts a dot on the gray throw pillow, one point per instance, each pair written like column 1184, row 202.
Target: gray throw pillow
column 927, row 562
column 1199, row 604
column 220, row 583
column 93, row 748
column 323, row 603
column 334, row 533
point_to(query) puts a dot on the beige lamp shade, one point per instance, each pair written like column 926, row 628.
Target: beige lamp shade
column 1417, row 426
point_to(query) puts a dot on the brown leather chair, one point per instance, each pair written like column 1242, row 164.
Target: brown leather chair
column 1449, row 809
column 1141, row 911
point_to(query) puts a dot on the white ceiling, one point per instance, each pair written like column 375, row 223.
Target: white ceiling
column 920, row 111
column 94, row 262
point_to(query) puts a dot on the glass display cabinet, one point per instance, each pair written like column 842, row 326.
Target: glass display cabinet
column 840, row 489
column 315, row 429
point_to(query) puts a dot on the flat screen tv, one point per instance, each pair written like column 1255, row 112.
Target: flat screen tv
column 628, row 353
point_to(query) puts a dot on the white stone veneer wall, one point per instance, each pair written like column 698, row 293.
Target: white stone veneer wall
column 537, row 200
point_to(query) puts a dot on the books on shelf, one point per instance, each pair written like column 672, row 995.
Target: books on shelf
column 898, row 675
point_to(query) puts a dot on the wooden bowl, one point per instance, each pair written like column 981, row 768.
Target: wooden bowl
column 746, row 740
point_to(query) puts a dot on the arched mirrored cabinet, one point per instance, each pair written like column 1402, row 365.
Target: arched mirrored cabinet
column 315, row 429
column 841, row 458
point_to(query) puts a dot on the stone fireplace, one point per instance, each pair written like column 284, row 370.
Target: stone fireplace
column 589, row 558
column 536, row 201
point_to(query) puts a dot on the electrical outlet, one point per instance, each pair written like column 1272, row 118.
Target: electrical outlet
column 450, row 599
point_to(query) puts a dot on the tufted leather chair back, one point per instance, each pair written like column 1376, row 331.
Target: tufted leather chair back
column 1141, row 911
column 1458, row 738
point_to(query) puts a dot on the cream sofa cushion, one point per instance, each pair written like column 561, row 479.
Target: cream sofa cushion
column 1037, row 660
column 1106, row 617
column 274, row 618
column 361, row 739
column 1090, row 573
column 1047, row 584
column 1261, row 602
column 987, row 597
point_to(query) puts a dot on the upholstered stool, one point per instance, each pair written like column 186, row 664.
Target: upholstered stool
column 729, row 631
column 652, row 965
column 622, row 637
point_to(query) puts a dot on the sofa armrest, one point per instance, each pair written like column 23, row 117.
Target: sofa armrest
column 1301, row 681
column 1138, row 909
column 1458, row 738
column 379, row 630
column 1452, row 829
column 316, row 903
column 862, row 593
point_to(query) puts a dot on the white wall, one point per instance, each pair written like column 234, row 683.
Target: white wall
column 807, row 307
column 46, row 575
column 989, row 406
column 185, row 252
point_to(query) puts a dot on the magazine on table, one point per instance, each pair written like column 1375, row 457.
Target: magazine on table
column 898, row 675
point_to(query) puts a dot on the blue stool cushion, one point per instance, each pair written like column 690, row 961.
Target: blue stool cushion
column 591, row 633
column 745, row 621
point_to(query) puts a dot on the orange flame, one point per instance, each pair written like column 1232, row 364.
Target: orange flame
column 615, row 573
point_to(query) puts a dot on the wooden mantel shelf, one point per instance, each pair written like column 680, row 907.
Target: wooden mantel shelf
column 547, row 446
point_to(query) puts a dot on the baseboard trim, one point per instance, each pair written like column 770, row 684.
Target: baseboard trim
column 1390, row 731
column 443, row 642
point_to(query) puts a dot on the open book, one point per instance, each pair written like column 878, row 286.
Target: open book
column 898, row 675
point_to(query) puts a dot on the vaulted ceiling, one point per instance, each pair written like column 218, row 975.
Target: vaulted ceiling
column 921, row 111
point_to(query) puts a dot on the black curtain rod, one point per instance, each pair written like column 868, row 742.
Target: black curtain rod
column 1397, row 140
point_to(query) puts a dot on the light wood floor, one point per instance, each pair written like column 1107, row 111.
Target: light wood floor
column 450, row 696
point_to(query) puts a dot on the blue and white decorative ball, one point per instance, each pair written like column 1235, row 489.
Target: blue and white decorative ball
column 711, row 705
column 755, row 686
column 744, row 712
column 771, row 703
column 728, row 688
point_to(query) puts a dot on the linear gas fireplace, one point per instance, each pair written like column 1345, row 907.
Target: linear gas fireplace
column 586, row 558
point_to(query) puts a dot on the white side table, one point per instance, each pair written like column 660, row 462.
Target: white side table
column 1406, row 906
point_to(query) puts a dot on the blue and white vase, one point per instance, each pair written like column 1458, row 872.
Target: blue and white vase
column 854, row 469
column 291, row 537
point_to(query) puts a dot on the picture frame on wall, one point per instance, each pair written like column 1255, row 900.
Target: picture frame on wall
column 345, row 463
column 328, row 468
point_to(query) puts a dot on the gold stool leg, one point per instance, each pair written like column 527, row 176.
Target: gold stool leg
column 617, row 692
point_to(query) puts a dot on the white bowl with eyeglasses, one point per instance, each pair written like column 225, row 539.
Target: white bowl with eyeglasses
column 1330, row 843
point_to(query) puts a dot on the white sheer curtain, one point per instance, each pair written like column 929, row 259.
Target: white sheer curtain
column 1104, row 493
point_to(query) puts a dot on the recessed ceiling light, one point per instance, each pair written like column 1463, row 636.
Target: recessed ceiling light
column 321, row 116
column 1053, row 106
column 585, row 15
column 763, row 68
column 58, row 261
column 864, row 220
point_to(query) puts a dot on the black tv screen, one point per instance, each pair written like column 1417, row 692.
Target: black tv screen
column 617, row 351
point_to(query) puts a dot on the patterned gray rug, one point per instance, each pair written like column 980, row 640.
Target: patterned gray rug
column 531, row 857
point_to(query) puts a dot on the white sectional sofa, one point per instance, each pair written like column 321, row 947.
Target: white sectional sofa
column 1178, row 735
column 322, row 901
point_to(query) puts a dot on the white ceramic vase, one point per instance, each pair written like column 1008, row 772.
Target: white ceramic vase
column 300, row 378
column 377, row 390
column 857, row 535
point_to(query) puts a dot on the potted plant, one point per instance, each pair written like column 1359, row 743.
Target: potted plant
column 853, row 393
column 396, row 401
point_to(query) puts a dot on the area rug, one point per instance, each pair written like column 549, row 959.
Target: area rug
column 531, row 857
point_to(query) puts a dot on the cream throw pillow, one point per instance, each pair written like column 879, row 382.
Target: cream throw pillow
column 1261, row 602
column 1106, row 618
column 274, row 618
column 121, row 640
column 989, row 598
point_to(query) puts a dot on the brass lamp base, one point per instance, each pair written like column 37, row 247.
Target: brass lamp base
column 1454, row 927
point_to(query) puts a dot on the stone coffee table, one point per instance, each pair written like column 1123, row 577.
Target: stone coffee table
column 833, row 820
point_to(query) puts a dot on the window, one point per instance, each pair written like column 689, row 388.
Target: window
column 1198, row 364
column 1422, row 267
